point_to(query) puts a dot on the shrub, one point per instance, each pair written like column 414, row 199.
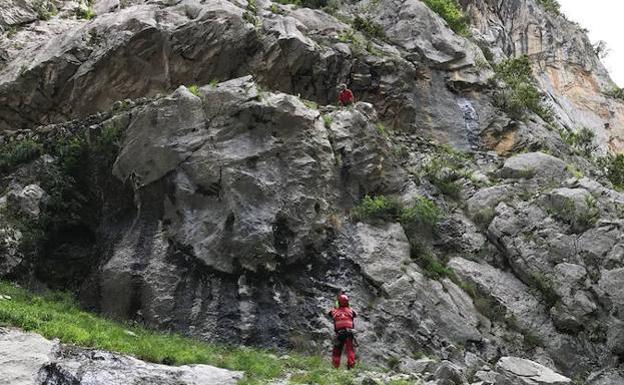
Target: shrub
column 452, row 13
column 582, row 140
column 71, row 153
column 520, row 95
column 484, row 217
column 445, row 170
column 369, row 27
column 615, row 92
column 45, row 9
column 551, row 6
column 376, row 209
column 431, row 266
column 15, row 153
column 545, row 286
column 423, row 213
column 86, row 13
column 613, row 167
column 355, row 42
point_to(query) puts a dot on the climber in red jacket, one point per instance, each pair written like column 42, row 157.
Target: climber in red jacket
column 343, row 317
column 345, row 96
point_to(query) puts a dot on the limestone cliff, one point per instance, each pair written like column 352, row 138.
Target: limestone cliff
column 180, row 163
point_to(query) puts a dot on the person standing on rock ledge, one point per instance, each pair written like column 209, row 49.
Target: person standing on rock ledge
column 343, row 317
column 345, row 96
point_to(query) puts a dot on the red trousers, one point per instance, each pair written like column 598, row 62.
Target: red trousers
column 349, row 349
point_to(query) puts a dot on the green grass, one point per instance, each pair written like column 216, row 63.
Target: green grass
column 327, row 121
column 55, row 315
column 194, row 89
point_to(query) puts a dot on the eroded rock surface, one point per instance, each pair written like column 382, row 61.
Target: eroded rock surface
column 29, row 359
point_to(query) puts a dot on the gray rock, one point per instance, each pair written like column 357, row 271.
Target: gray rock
column 28, row 200
column 11, row 256
column 449, row 374
column 28, row 359
column 534, row 165
column 522, row 371
column 481, row 206
column 420, row 366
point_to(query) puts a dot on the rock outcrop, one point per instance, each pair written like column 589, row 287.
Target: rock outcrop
column 29, row 359
column 180, row 164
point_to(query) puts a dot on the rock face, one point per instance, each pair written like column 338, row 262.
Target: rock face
column 565, row 63
column 29, row 359
column 180, row 164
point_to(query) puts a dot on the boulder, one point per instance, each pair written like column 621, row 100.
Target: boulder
column 525, row 372
column 534, row 165
column 28, row 200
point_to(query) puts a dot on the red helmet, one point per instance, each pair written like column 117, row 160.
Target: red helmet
column 343, row 300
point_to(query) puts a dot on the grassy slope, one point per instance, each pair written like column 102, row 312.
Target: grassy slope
column 55, row 315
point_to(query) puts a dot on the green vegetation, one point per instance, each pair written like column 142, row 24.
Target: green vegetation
column 349, row 36
column 55, row 315
column 432, row 267
column 381, row 129
column 580, row 218
column 419, row 219
column 11, row 31
column 578, row 174
column 520, row 95
column 451, row 11
column 582, row 140
column 82, row 163
column 615, row 92
column 445, row 169
column 378, row 209
column 551, row 6
column 327, row 121
column 368, row 27
column 487, row 52
column 484, row 217
column 194, row 89
column 422, row 213
column 613, row 167
column 15, row 153
column 305, row 3
column 250, row 13
column 546, row 287
column 86, row 13
column 310, row 104
column 45, row 9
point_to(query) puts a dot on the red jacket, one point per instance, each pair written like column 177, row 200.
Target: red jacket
column 345, row 97
column 343, row 318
